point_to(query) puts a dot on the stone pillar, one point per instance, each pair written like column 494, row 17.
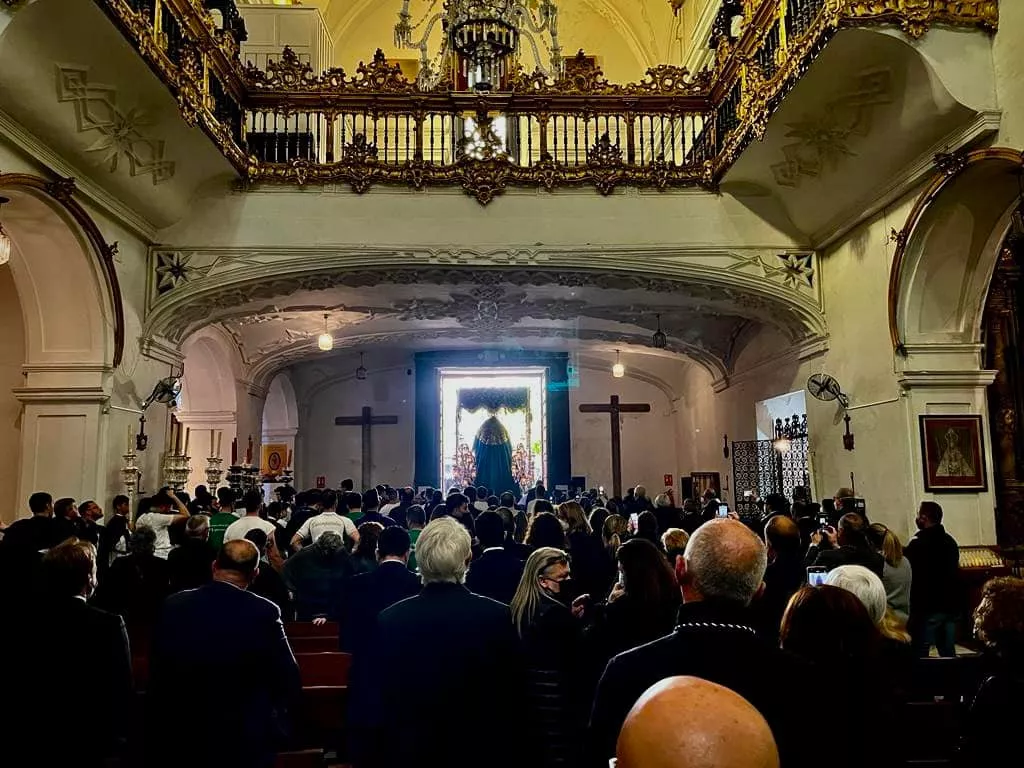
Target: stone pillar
column 62, row 432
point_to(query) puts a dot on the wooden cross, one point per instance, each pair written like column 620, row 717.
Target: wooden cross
column 613, row 409
column 366, row 421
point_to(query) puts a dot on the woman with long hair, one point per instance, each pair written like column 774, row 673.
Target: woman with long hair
column 589, row 562
column 896, row 572
column 614, row 531
column 831, row 628
column 998, row 707
column 364, row 558
column 550, row 636
column 545, row 530
column 642, row 605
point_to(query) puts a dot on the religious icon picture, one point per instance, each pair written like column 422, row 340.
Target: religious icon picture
column 274, row 460
column 953, row 454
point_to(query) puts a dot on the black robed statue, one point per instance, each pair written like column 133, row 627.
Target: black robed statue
column 492, row 450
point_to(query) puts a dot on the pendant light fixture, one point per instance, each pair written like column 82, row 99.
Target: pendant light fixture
column 618, row 370
column 361, row 370
column 325, row 341
column 660, row 341
column 5, row 241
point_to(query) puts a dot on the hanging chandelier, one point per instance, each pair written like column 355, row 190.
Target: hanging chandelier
column 5, row 240
column 660, row 340
column 482, row 40
column 325, row 341
column 361, row 370
column 618, row 370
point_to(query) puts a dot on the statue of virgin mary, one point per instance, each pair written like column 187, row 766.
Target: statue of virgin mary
column 492, row 450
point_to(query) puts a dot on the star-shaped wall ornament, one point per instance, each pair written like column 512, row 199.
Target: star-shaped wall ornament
column 172, row 270
column 797, row 270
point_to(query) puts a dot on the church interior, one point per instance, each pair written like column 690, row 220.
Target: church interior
column 729, row 247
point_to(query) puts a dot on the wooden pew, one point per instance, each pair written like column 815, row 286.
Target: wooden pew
column 294, row 629
column 303, row 758
column 313, row 644
column 320, row 722
column 324, row 669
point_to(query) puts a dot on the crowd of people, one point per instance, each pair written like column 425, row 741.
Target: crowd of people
column 488, row 629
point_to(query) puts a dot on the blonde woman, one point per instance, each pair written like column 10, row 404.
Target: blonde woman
column 896, row 573
column 551, row 632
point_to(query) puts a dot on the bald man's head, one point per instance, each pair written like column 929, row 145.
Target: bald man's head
column 686, row 722
column 237, row 562
column 782, row 534
column 724, row 561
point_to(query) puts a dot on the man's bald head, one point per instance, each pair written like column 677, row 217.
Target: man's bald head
column 724, row 561
column 782, row 534
column 237, row 562
column 686, row 722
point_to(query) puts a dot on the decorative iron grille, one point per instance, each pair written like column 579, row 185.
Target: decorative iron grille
column 759, row 469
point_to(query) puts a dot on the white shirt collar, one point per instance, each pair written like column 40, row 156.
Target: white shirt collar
column 490, row 549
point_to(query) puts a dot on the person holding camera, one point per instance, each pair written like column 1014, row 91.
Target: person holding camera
column 849, row 546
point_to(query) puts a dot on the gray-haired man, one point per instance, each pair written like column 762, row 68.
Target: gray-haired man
column 719, row 574
column 466, row 685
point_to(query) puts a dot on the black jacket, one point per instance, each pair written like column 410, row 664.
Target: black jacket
column 365, row 595
column 847, row 555
column 190, row 565
column 716, row 643
column 92, row 676
column 935, row 558
column 245, row 650
column 473, row 677
column 495, row 574
column 783, row 577
column 591, row 573
column 316, row 579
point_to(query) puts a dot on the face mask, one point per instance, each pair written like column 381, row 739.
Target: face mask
column 566, row 592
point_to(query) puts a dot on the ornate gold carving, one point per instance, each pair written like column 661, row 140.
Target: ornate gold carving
column 951, row 164
column 291, row 74
column 915, row 17
column 61, row 189
column 289, row 86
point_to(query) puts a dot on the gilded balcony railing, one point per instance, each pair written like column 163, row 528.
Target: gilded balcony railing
column 288, row 124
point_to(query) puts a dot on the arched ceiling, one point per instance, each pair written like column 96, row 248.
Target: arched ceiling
column 628, row 36
column 275, row 320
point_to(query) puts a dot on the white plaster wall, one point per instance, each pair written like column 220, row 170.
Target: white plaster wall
column 648, row 439
column 328, row 389
column 1009, row 69
column 12, row 355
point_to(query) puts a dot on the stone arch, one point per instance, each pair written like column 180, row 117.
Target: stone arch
column 70, row 336
column 281, row 414
column 61, row 262
column 947, row 250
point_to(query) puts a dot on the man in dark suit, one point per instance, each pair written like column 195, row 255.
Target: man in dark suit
column 850, row 546
column 784, row 576
column 221, row 644
column 719, row 575
column 115, row 534
column 935, row 590
column 468, row 682
column 371, row 510
column 23, row 546
column 363, row 598
column 367, row 594
column 189, row 565
column 496, row 572
column 46, row 669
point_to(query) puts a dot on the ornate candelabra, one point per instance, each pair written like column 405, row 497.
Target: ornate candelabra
column 177, row 468
column 130, row 473
column 213, row 473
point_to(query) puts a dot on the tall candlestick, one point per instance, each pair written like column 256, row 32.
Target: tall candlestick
column 248, row 452
column 131, row 439
column 177, row 438
column 220, row 434
column 188, row 436
column 211, row 444
column 289, row 464
column 234, row 451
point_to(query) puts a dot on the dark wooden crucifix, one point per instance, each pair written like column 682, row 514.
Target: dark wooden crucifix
column 613, row 409
column 366, row 421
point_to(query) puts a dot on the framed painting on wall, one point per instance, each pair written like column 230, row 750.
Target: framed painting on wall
column 953, row 454
column 702, row 481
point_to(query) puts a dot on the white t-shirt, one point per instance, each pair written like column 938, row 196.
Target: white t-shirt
column 481, row 506
column 386, row 509
column 318, row 525
column 239, row 528
column 159, row 522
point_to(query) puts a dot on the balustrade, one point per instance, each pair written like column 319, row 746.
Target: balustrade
column 284, row 123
